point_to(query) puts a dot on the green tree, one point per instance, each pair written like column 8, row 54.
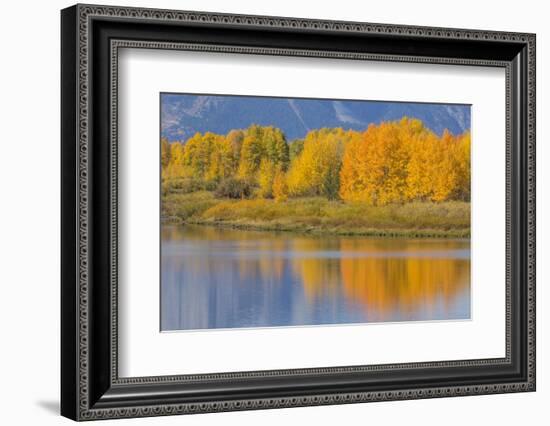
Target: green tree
column 295, row 148
column 235, row 139
column 275, row 146
column 197, row 153
column 251, row 152
column 262, row 143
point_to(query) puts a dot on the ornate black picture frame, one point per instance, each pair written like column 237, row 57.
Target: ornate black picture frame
column 91, row 387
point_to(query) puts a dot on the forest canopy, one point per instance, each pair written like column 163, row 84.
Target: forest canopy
column 391, row 162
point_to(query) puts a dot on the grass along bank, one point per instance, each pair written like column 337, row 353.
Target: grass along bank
column 320, row 216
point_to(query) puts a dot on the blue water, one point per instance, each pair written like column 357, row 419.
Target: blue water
column 214, row 278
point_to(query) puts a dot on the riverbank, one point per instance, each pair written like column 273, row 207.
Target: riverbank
column 320, row 216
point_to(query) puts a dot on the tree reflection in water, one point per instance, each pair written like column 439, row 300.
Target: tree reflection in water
column 224, row 278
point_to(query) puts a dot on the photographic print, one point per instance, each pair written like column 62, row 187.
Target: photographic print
column 283, row 212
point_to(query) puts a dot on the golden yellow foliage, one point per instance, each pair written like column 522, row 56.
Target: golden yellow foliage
column 262, row 143
column 315, row 171
column 392, row 162
column 402, row 161
column 266, row 174
column 280, row 187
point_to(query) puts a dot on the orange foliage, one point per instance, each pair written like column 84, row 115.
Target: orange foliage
column 392, row 162
column 385, row 284
column 402, row 161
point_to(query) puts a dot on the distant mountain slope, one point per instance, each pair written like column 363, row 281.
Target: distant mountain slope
column 184, row 115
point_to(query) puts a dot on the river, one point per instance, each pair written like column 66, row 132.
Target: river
column 218, row 278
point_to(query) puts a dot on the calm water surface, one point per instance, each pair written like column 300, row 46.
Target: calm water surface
column 223, row 278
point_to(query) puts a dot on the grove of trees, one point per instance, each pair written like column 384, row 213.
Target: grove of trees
column 392, row 162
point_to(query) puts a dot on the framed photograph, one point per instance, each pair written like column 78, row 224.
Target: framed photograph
column 263, row 212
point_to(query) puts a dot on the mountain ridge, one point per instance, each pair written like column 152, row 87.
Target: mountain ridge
column 183, row 115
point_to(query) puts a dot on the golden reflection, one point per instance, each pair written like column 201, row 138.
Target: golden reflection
column 405, row 279
column 320, row 276
column 271, row 263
